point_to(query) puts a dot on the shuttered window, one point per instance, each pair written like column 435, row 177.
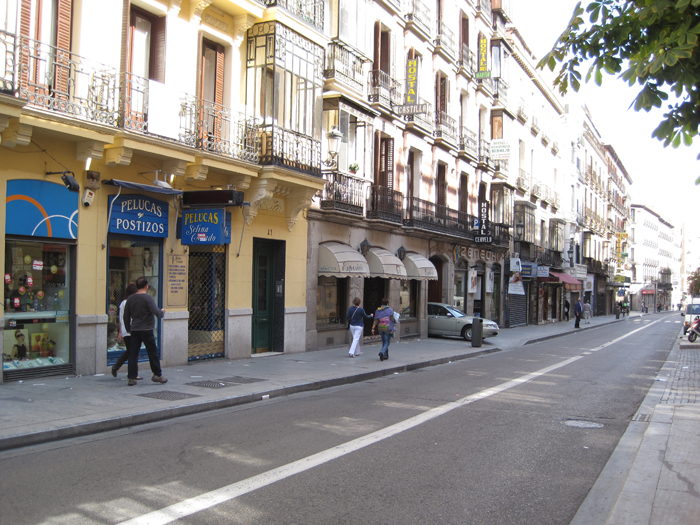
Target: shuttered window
column 147, row 45
column 385, row 163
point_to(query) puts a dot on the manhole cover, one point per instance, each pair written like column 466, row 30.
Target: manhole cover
column 169, row 395
column 241, row 380
column 211, row 384
column 577, row 423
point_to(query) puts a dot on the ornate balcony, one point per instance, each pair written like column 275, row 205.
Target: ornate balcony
column 56, row 80
column 485, row 154
column 537, row 189
column 500, row 91
column 418, row 16
column 445, row 127
column 345, row 64
column 501, row 167
column 466, row 61
column 523, row 181
column 383, row 89
column 445, row 40
column 343, row 192
column 485, row 85
column 384, row 204
column 290, row 149
column 522, row 112
column 310, row 11
column 467, row 143
column 436, row 217
column 425, row 120
column 7, row 55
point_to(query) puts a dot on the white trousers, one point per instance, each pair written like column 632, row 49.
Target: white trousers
column 587, row 317
column 356, row 332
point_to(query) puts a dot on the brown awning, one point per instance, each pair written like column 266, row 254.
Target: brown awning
column 570, row 283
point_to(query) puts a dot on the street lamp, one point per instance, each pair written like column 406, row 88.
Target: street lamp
column 364, row 247
column 519, row 231
column 570, row 253
column 401, row 253
column 334, row 137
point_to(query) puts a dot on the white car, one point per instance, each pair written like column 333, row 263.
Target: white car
column 444, row 319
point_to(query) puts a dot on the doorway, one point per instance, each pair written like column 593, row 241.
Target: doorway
column 207, row 290
column 435, row 287
column 267, row 332
column 375, row 290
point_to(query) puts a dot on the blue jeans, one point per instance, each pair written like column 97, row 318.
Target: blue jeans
column 149, row 341
column 386, row 339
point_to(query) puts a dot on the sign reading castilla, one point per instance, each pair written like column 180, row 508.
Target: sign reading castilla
column 139, row 215
column 411, row 105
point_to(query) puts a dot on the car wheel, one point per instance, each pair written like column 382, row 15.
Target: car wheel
column 467, row 332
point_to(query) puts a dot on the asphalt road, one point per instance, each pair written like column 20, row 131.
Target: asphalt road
column 487, row 440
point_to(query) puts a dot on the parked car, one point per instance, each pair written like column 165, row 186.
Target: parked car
column 444, row 319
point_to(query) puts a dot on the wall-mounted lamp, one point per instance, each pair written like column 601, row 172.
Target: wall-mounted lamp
column 519, row 231
column 364, row 247
column 401, row 253
column 68, row 180
column 334, row 137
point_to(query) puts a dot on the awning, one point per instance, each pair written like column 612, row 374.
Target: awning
column 570, row 283
column 142, row 187
column 336, row 259
column 382, row 263
column 419, row 268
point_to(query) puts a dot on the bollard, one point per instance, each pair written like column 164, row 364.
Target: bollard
column 477, row 332
column 617, row 313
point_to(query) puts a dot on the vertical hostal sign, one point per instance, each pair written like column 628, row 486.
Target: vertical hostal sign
column 483, row 237
column 411, row 81
column 483, row 68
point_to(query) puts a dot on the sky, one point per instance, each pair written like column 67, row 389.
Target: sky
column 663, row 178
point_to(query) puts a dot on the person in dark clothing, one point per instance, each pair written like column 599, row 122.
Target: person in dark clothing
column 578, row 311
column 139, row 321
column 567, row 306
column 356, row 318
column 384, row 323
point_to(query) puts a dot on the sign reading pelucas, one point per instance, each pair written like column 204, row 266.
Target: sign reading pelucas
column 204, row 226
column 138, row 215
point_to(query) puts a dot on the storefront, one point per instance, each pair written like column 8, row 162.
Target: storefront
column 40, row 247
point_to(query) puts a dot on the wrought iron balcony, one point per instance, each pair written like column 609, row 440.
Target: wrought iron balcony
column 343, row 192
column 501, row 234
column 290, row 149
column 133, row 102
column 501, row 166
column 214, row 128
column 383, row 89
column 500, row 91
column 580, row 219
column 310, row 11
column 467, row 143
column 485, row 153
column 424, row 120
column 384, row 204
column 436, row 217
column 486, row 84
column 8, row 42
column 466, row 60
column 537, row 188
column 344, row 64
column 522, row 112
column 445, row 127
column 418, row 14
column 554, row 200
column 523, row 181
column 445, row 40
column 57, row 80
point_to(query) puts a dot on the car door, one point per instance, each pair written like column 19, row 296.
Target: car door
column 442, row 321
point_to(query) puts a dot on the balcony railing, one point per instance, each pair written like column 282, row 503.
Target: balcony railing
column 466, row 60
column 7, row 68
column 419, row 14
column 59, row 81
column 445, row 39
column 523, row 181
column 436, row 217
column 343, row 192
column 424, row 120
column 344, row 64
column 290, row 149
column 501, row 166
column 501, row 91
column 580, row 219
column 214, row 128
column 310, row 11
column 467, row 142
column 486, row 83
column 484, row 152
column 385, row 204
column 537, row 188
column 383, row 89
column 522, row 111
column 445, row 127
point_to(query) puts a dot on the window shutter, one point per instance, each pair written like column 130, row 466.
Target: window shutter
column 25, row 18
column 389, row 164
column 219, row 94
column 377, row 44
column 157, row 60
column 377, row 157
column 63, row 26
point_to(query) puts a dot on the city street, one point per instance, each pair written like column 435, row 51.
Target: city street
column 516, row 436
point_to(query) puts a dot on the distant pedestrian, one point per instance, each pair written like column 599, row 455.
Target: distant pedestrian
column 384, row 323
column 578, row 311
column 140, row 323
column 567, row 305
column 123, row 333
column 356, row 317
column 587, row 312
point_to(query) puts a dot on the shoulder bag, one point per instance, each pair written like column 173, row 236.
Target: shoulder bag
column 352, row 318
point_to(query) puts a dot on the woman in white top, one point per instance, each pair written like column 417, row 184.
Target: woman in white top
column 130, row 290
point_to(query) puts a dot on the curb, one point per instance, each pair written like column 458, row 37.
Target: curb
column 574, row 331
column 117, row 423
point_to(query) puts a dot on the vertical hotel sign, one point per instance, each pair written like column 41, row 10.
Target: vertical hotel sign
column 411, row 105
column 482, row 70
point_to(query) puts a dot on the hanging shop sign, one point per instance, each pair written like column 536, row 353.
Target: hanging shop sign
column 500, row 149
column 482, row 70
column 138, row 215
column 529, row 270
column 411, row 105
column 205, row 226
column 40, row 208
column 483, row 237
column 543, row 271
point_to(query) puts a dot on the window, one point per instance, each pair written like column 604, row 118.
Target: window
column 464, row 193
column 441, row 183
column 442, row 85
column 556, row 235
column 330, row 302
column 501, row 205
column 409, row 298
column 384, row 175
column 147, row 45
column 497, row 125
column 525, row 215
column 348, row 23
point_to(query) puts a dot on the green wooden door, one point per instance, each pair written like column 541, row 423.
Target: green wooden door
column 263, row 288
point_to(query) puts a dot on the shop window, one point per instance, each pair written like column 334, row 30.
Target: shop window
column 330, row 302
column 37, row 305
column 129, row 260
column 409, row 298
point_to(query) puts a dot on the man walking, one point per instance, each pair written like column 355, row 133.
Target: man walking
column 139, row 322
column 578, row 311
column 587, row 312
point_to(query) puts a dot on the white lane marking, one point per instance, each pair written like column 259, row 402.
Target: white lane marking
column 208, row 500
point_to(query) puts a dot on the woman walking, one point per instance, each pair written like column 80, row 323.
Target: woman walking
column 356, row 318
column 384, row 322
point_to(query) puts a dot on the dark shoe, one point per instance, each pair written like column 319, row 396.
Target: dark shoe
column 381, row 356
column 159, row 379
column 131, row 382
column 114, row 370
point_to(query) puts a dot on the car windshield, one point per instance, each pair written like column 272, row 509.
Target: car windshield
column 693, row 309
column 455, row 312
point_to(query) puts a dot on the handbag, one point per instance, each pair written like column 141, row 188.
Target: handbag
column 351, row 318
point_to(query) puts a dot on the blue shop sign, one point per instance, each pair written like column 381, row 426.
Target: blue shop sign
column 138, row 215
column 205, row 226
column 40, row 208
column 529, row 270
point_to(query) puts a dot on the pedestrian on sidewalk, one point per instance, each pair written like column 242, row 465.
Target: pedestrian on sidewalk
column 578, row 311
column 567, row 305
column 124, row 334
column 384, row 323
column 139, row 321
column 356, row 319
column 587, row 312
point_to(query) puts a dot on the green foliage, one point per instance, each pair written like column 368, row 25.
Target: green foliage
column 650, row 43
column 694, row 283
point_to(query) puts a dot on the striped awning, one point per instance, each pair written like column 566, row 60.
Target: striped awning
column 383, row 263
column 336, row 259
column 419, row 268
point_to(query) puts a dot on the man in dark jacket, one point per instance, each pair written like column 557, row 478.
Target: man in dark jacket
column 578, row 311
column 139, row 322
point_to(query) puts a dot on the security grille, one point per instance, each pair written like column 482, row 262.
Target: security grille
column 206, row 302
